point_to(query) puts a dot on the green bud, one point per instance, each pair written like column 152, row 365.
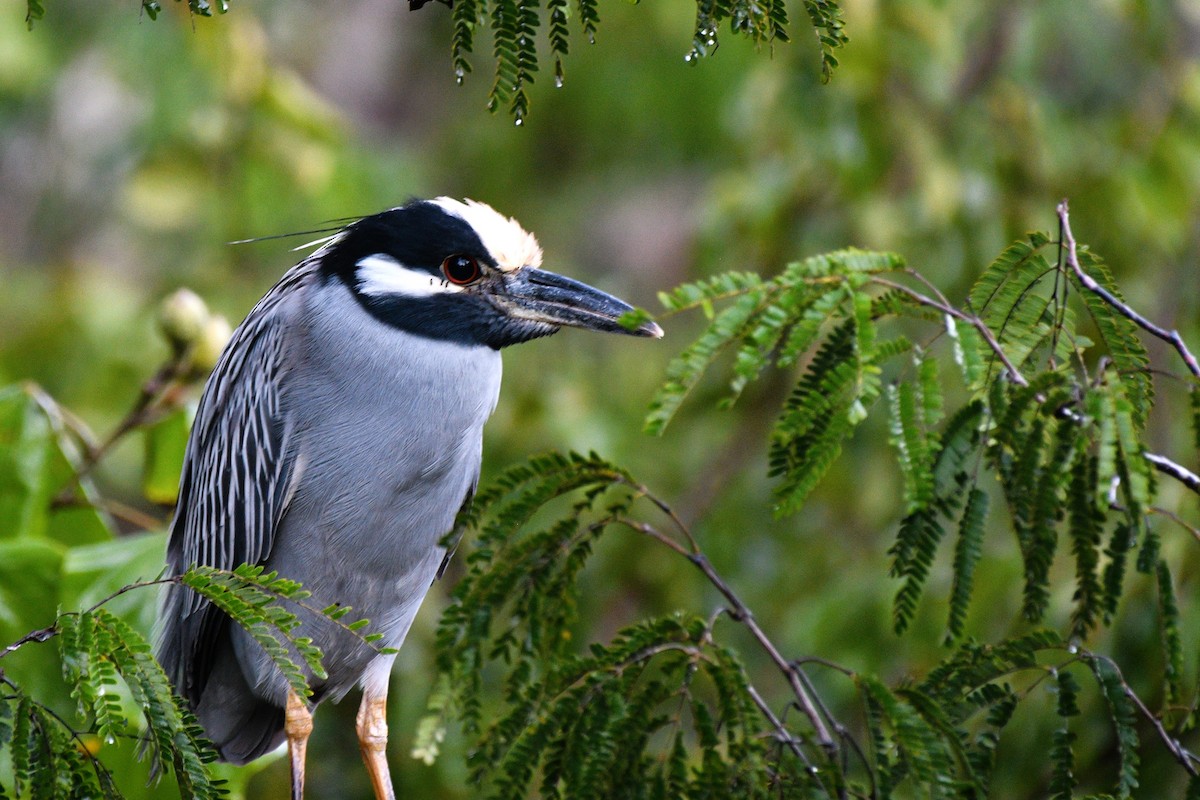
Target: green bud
column 182, row 317
column 211, row 342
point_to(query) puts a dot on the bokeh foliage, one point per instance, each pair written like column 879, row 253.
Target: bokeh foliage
column 131, row 152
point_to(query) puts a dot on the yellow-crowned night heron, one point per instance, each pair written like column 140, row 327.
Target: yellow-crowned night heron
column 336, row 440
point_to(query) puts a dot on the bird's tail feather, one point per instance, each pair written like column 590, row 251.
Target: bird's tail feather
column 241, row 724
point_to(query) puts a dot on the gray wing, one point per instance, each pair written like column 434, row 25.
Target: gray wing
column 235, row 482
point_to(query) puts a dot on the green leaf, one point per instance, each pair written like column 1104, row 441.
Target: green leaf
column 808, row 435
column 251, row 598
column 1194, row 395
column 685, row 370
column 1172, row 643
column 38, row 460
column 725, row 286
column 34, row 11
column 1010, row 266
column 826, row 19
column 174, row 738
column 23, row 747
column 1124, row 719
column 923, row 751
column 632, row 320
column 909, row 437
column 29, row 474
column 1062, row 780
column 823, row 308
column 164, row 444
column 1037, row 525
column 1120, row 336
column 967, row 552
column 1085, row 525
column 921, row 530
column 1119, row 543
column 969, row 351
column 848, row 262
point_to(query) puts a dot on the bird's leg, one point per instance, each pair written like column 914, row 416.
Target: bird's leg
column 372, row 739
column 298, row 725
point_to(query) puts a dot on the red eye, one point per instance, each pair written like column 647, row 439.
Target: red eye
column 461, row 270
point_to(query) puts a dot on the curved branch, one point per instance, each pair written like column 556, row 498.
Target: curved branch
column 1171, row 337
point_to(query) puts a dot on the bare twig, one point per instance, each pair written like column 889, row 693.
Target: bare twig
column 50, row 631
column 1171, row 337
column 742, row 614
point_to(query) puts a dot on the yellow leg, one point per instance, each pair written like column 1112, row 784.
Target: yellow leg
column 372, row 740
column 298, row 725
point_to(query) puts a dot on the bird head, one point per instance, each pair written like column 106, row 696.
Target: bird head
column 461, row 271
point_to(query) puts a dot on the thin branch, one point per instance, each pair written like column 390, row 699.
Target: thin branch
column 50, row 631
column 972, row 320
column 1171, row 515
column 1181, row 754
column 1168, row 467
column 1171, row 337
column 161, row 393
column 669, row 512
column 1161, row 463
column 40, row 635
column 144, row 408
column 741, row 612
column 116, row 508
column 782, row 734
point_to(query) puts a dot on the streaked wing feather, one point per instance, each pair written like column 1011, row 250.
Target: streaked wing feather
column 235, row 481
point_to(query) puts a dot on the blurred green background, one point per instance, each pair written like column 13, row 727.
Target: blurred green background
column 132, row 152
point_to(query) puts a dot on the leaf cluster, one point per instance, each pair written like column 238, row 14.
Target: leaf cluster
column 116, row 681
column 1044, row 419
column 515, row 24
column 659, row 711
column 823, row 304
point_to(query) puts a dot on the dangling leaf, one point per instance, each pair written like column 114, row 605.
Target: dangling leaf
column 1172, row 643
column 1062, row 757
column 1013, row 265
column 1124, row 719
column 910, row 439
column 1085, row 525
column 1045, row 511
column 808, row 435
column 686, row 369
column 967, row 552
column 1120, row 336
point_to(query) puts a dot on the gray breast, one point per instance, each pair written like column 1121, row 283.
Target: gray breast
column 386, row 446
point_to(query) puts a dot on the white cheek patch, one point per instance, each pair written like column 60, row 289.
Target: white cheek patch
column 381, row 274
